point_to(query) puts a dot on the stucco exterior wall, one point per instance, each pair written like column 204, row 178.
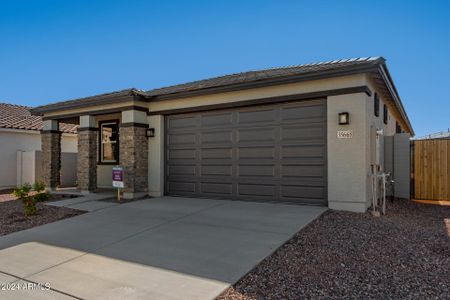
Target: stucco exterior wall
column 12, row 141
column 258, row 93
column 347, row 157
column 156, row 157
column 377, row 123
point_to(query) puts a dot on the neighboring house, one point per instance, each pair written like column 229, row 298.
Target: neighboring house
column 20, row 145
column 271, row 135
column 436, row 135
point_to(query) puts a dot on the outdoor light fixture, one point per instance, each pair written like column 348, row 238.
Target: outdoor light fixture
column 150, row 132
column 344, row 118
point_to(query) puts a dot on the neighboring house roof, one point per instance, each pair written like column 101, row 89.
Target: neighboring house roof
column 245, row 80
column 436, row 135
column 19, row 117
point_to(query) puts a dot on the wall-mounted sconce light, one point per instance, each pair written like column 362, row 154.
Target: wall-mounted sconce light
column 150, row 132
column 344, row 118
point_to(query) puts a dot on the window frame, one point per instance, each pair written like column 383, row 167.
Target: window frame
column 385, row 114
column 100, row 160
column 376, row 105
column 398, row 127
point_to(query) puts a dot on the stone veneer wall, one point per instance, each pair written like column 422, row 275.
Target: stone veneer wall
column 51, row 158
column 87, row 159
column 134, row 157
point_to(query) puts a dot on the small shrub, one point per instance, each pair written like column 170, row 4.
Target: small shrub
column 39, row 186
column 41, row 195
column 29, row 204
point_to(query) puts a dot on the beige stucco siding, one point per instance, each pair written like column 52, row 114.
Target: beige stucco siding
column 373, row 121
column 156, row 158
column 258, row 93
column 347, row 157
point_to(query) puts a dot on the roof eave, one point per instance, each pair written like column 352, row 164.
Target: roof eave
column 115, row 97
column 269, row 82
column 384, row 72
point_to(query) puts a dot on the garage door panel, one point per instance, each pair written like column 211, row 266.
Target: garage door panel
column 182, row 122
column 216, row 153
column 175, row 154
column 180, row 187
column 216, row 188
column 174, row 170
column 258, row 134
column 267, row 153
column 302, row 171
column 305, row 192
column 182, row 139
column 257, row 116
column 262, row 152
column 215, row 170
column 222, row 119
column 256, row 190
column 215, row 137
column 256, row 170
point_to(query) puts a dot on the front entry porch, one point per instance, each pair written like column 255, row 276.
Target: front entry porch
column 115, row 138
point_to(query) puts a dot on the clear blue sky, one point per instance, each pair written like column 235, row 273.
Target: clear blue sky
column 57, row 50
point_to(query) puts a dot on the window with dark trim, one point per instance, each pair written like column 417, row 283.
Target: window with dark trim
column 376, row 105
column 385, row 114
column 109, row 142
column 398, row 128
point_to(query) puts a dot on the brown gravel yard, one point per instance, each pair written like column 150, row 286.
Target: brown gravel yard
column 12, row 218
column 405, row 254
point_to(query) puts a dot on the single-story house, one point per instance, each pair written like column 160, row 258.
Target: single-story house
column 20, row 146
column 300, row 134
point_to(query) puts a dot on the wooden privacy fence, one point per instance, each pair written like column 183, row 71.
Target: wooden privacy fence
column 431, row 169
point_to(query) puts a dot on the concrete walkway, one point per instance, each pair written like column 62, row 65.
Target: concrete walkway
column 163, row 248
column 86, row 202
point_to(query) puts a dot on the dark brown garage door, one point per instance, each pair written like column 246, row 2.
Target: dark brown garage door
column 271, row 153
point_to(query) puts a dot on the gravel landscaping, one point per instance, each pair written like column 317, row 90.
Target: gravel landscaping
column 12, row 218
column 405, row 254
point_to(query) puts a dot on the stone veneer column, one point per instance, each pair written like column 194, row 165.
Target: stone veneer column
column 134, row 153
column 51, row 154
column 87, row 154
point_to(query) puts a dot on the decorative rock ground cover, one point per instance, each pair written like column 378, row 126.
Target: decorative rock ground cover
column 403, row 255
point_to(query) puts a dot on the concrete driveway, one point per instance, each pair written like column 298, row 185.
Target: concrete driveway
column 162, row 248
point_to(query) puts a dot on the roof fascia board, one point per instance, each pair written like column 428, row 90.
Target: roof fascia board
column 88, row 102
column 97, row 112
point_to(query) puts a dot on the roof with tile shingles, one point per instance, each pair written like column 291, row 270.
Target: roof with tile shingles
column 260, row 75
column 222, row 81
column 273, row 76
column 19, row 117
